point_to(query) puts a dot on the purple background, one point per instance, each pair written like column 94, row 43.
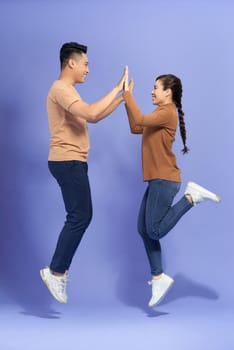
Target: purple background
column 108, row 293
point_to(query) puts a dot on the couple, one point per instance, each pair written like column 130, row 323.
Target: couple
column 68, row 115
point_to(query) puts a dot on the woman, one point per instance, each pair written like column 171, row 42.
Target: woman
column 157, row 215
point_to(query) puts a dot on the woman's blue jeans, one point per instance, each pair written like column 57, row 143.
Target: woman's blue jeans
column 72, row 177
column 158, row 216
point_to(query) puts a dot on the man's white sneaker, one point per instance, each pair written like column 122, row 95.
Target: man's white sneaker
column 56, row 284
column 199, row 193
column 159, row 289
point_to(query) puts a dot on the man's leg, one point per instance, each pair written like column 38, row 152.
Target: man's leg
column 74, row 184
column 73, row 181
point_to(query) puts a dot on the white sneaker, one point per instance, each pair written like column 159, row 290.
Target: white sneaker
column 199, row 193
column 159, row 289
column 56, row 284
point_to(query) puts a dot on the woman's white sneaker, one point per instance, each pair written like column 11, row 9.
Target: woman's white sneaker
column 159, row 289
column 56, row 284
column 199, row 193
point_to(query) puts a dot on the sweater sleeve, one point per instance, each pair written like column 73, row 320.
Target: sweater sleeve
column 134, row 128
column 159, row 117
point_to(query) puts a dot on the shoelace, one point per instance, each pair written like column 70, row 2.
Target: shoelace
column 61, row 283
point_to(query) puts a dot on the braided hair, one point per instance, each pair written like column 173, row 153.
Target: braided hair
column 170, row 81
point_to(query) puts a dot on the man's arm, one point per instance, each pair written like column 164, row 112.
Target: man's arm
column 109, row 109
column 101, row 108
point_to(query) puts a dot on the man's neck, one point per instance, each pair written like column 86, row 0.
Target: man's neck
column 66, row 78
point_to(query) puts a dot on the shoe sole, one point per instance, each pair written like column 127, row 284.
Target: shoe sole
column 163, row 296
column 47, row 285
column 204, row 191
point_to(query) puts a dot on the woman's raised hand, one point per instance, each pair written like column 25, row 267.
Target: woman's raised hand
column 130, row 86
column 124, row 83
column 121, row 84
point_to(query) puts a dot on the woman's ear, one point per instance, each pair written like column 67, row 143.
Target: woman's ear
column 168, row 93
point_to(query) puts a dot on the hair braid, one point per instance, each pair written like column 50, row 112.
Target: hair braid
column 170, row 81
column 182, row 127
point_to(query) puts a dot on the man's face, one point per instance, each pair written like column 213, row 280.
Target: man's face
column 80, row 67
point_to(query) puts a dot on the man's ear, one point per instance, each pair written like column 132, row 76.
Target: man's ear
column 71, row 63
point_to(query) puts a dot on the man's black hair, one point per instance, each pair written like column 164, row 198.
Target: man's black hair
column 68, row 49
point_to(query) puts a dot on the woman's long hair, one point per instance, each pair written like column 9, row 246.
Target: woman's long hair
column 170, row 81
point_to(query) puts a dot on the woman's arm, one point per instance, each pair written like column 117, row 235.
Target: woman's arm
column 128, row 86
column 134, row 128
column 158, row 117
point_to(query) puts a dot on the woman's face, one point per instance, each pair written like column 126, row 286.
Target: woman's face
column 160, row 96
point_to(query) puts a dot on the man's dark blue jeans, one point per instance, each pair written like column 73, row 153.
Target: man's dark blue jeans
column 72, row 177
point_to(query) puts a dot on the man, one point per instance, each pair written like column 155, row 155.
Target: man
column 68, row 115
